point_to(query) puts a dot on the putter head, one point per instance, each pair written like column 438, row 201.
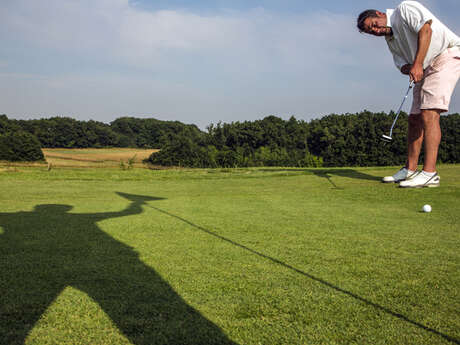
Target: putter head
column 386, row 138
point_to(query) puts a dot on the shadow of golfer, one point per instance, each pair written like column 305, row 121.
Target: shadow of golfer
column 46, row 250
column 329, row 173
column 349, row 173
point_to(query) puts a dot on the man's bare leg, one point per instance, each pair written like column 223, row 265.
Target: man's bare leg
column 432, row 137
column 415, row 137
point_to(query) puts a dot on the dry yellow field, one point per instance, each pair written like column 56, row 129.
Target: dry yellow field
column 96, row 157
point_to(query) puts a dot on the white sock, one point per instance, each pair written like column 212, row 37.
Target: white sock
column 428, row 174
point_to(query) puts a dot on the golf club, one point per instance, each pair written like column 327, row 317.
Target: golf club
column 389, row 137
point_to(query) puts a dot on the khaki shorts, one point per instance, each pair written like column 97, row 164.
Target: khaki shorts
column 438, row 84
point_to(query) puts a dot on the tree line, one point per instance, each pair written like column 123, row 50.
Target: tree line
column 333, row 140
column 65, row 132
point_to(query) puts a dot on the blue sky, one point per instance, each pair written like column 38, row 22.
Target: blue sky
column 197, row 61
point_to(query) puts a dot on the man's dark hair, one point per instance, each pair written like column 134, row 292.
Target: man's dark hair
column 363, row 16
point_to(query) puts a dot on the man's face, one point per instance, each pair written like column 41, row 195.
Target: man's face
column 377, row 26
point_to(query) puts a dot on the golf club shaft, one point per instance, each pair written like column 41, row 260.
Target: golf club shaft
column 400, row 107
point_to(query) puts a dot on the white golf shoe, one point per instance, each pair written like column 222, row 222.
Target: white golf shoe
column 421, row 179
column 401, row 175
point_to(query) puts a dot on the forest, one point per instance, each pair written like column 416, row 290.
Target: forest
column 331, row 141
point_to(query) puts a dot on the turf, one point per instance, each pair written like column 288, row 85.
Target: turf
column 227, row 256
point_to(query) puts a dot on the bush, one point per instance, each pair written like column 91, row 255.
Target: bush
column 20, row 147
column 184, row 152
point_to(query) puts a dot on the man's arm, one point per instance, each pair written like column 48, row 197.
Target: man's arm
column 133, row 208
column 424, row 40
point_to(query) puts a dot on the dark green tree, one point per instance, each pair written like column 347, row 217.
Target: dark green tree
column 20, row 146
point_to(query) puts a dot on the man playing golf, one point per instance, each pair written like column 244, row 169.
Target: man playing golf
column 429, row 53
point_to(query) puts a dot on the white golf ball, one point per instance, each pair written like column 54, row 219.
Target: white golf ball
column 426, row 208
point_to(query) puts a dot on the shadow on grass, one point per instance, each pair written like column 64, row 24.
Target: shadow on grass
column 46, row 250
column 312, row 277
column 329, row 173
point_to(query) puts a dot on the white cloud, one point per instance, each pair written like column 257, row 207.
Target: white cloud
column 113, row 31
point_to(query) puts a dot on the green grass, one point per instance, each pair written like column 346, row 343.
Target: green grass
column 227, row 256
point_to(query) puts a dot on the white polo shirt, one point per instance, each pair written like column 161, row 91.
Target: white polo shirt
column 406, row 21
